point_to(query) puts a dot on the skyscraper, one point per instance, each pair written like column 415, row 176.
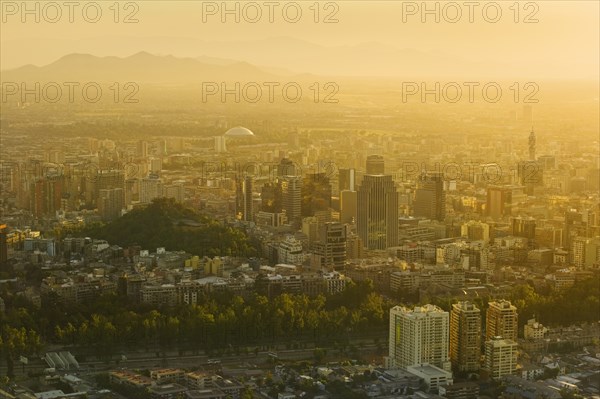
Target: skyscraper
column 150, row 188
column 287, row 168
column 291, row 193
column 142, row 149
column 419, row 336
column 346, row 179
column 47, row 195
column 499, row 201
column 348, row 206
column 377, row 214
column 531, row 145
column 523, row 227
column 501, row 320
column 375, row 165
column 430, row 198
column 244, row 204
column 110, row 203
column 465, row 336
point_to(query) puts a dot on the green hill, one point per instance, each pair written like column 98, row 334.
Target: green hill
column 166, row 223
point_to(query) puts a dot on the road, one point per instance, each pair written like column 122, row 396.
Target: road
column 150, row 360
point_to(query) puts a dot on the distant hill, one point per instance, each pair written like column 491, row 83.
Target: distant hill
column 142, row 67
column 166, row 223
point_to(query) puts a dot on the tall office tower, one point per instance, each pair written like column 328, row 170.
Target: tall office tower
column 418, row 336
column 132, row 191
column 108, row 179
column 531, row 171
column 47, row 195
column 465, row 336
column 377, row 214
column 142, row 149
column 375, row 165
column 291, row 193
column 150, row 188
column 110, row 203
column 578, row 251
column 500, row 357
column 270, row 197
column 316, row 194
column 499, row 202
column 531, row 143
column 348, row 206
column 244, row 204
column 347, row 179
column 523, row 227
column 574, row 226
column 430, row 198
column 155, row 165
column 330, row 248
column 501, row 320
column 220, row 145
column 287, row 167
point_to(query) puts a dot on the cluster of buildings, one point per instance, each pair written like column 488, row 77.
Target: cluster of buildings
column 435, row 342
column 437, row 345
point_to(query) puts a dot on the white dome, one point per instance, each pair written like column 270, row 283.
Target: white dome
column 238, row 131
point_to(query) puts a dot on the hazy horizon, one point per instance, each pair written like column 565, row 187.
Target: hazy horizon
column 378, row 48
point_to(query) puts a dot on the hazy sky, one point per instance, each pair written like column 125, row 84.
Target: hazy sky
column 565, row 40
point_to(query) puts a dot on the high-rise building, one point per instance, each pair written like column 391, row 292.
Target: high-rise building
column 531, row 142
column 287, row 167
column 499, row 202
column 290, row 251
column 107, row 178
column 430, row 198
column 501, row 320
column 316, row 194
column 330, row 247
column 523, row 227
column 592, row 253
column 220, row 145
column 476, row 231
column 418, row 336
column 142, row 149
column 150, row 188
column 110, row 203
column 271, row 198
column 346, row 179
column 348, row 206
column 375, row 165
column 47, row 195
column 500, row 357
column 465, row 336
column 377, row 213
column 244, row 201
column 291, row 193
column 578, row 251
